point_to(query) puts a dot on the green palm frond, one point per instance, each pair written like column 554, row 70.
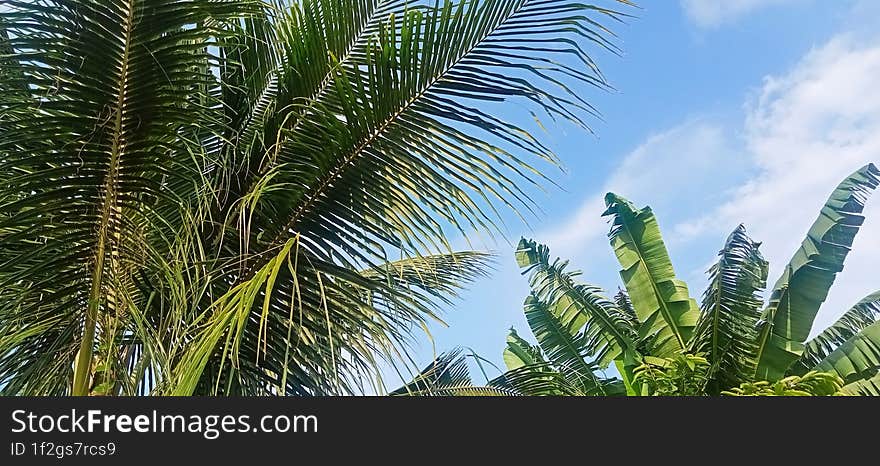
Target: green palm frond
column 296, row 348
column 207, row 196
column 399, row 111
column 806, row 280
column 448, row 375
column 377, row 149
column 439, row 276
column 538, row 379
column 731, row 309
column 85, row 157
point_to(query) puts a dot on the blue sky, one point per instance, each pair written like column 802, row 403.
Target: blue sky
column 726, row 112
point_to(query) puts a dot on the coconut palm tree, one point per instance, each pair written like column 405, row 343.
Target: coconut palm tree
column 255, row 197
column 655, row 328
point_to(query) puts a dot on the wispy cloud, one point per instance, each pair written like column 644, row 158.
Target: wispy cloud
column 713, row 13
column 803, row 132
column 672, row 170
column 806, row 131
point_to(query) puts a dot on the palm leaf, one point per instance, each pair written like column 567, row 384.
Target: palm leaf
column 158, row 158
column 448, row 376
column 369, row 312
column 385, row 145
column 440, row 276
column 662, row 303
column 538, row 379
column 110, row 101
column 805, row 281
column 396, row 116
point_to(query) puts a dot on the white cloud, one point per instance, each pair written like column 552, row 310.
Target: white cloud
column 803, row 133
column 660, row 171
column 713, row 13
column 806, row 131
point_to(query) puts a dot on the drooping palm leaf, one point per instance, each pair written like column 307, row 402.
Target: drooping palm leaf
column 806, row 280
column 730, row 311
column 378, row 158
column 380, row 303
column 538, row 379
column 664, row 307
column 858, row 318
column 195, row 139
column 104, row 131
column 440, row 275
column 448, row 376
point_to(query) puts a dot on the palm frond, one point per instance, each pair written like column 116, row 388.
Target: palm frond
column 84, row 159
column 538, row 379
column 386, row 143
column 401, row 115
column 448, row 375
column 207, row 196
column 341, row 323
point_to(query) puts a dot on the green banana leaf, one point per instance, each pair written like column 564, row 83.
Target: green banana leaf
column 858, row 358
column 731, row 309
column 557, row 329
column 858, row 318
column 606, row 330
column 864, row 387
column 519, row 352
column 667, row 313
column 806, row 280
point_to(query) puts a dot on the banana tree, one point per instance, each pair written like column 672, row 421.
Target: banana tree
column 732, row 343
column 211, row 196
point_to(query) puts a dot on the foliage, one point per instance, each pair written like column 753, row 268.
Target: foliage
column 812, row 383
column 662, row 302
column 682, row 375
column 449, row 376
column 662, row 344
column 247, row 197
